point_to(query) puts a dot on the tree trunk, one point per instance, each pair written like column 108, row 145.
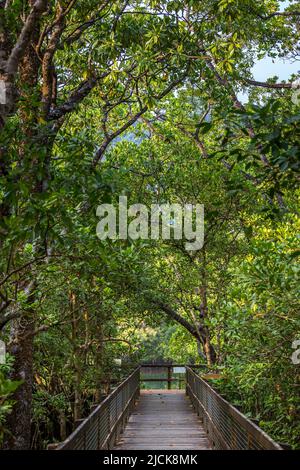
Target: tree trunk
column 99, row 364
column 76, row 357
column 209, row 352
column 22, row 329
column 21, row 347
column 62, row 425
column 77, row 393
column 208, row 349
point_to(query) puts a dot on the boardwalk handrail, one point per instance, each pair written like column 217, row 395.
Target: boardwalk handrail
column 226, row 427
column 103, row 426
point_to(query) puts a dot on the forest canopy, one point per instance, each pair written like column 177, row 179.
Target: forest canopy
column 156, row 101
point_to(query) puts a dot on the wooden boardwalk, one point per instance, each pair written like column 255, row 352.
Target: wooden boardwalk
column 163, row 419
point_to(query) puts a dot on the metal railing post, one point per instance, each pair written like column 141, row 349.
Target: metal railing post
column 102, row 427
column 226, row 426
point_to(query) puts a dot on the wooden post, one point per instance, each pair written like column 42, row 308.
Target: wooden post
column 94, row 406
column 78, row 422
column 53, row 446
column 169, row 377
column 285, row 446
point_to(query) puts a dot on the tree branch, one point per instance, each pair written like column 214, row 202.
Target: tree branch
column 8, row 317
column 287, row 14
column 267, row 85
column 19, row 49
column 176, row 317
column 47, row 65
column 76, row 97
column 100, row 152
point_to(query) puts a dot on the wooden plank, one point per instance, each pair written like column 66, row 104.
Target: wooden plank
column 146, row 447
column 163, row 419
